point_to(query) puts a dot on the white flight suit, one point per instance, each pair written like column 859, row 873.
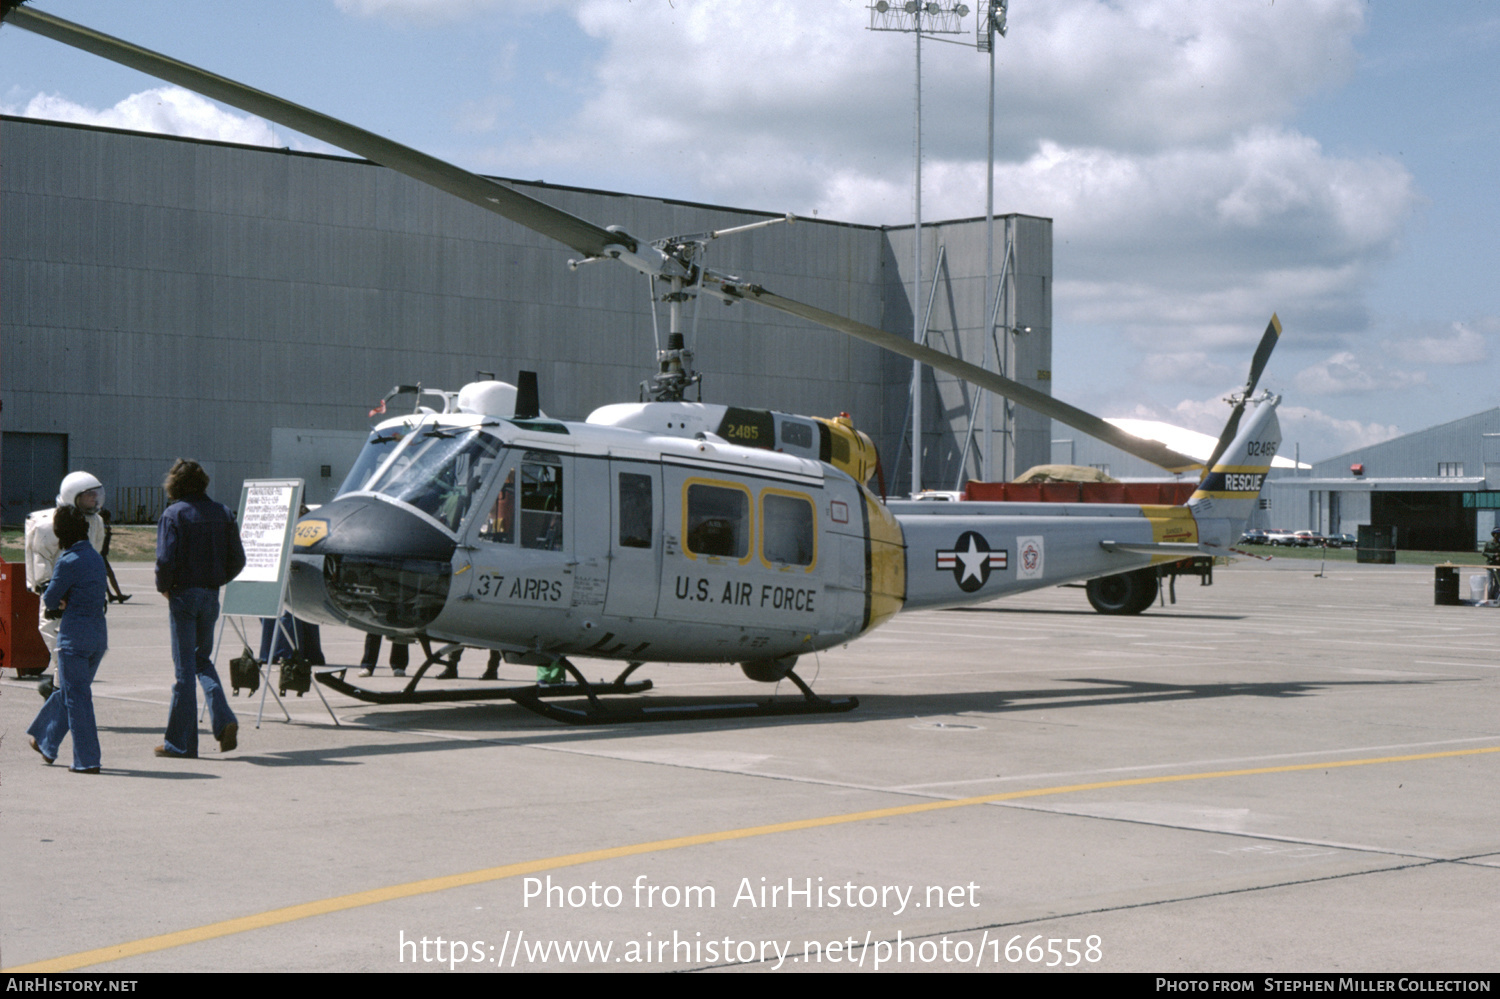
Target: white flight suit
column 41, row 556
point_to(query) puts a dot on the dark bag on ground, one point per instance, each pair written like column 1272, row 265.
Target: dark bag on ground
column 244, row 671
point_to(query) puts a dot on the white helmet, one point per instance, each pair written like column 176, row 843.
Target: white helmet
column 74, row 483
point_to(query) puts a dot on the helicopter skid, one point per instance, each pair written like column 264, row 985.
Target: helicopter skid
column 334, row 678
column 597, row 713
column 600, row 715
column 534, row 696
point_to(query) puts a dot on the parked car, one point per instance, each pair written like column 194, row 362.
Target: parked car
column 1254, row 536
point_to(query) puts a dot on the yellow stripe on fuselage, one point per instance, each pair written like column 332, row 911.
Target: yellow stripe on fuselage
column 886, row 550
column 1170, row 524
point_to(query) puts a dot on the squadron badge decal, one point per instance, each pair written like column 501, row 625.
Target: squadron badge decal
column 971, row 561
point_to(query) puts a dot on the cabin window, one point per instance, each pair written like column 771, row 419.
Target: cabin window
column 786, row 529
column 718, row 521
column 796, row 434
column 635, row 510
column 542, row 501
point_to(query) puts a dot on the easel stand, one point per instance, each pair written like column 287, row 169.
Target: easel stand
column 264, row 668
column 268, row 518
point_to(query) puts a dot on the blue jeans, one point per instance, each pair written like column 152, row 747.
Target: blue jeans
column 71, row 708
column 194, row 613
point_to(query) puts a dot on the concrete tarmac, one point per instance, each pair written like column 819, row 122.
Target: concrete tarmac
column 1279, row 773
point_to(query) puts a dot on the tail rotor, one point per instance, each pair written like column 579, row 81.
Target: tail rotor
column 1268, row 342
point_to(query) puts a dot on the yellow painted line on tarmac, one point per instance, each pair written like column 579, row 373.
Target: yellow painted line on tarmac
column 292, row 913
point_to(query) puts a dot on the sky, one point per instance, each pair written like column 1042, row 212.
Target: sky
column 1204, row 164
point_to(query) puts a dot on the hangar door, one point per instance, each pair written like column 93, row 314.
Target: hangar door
column 1425, row 521
column 31, row 466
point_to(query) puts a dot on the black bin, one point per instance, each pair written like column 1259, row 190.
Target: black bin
column 1445, row 587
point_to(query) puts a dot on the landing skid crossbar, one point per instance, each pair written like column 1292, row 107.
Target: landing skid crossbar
column 334, row 678
column 597, row 713
column 534, row 696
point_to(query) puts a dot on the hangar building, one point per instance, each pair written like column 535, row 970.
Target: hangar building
column 246, row 306
column 1439, row 487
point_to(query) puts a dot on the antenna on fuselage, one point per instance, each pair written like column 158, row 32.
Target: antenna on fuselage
column 528, row 406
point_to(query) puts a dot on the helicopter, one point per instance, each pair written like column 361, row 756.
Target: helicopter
column 669, row 530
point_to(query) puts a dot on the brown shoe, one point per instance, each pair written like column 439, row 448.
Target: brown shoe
column 85, row 770
column 171, row 754
column 229, row 738
column 40, row 753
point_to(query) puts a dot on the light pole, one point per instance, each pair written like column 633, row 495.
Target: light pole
column 936, row 19
column 991, row 22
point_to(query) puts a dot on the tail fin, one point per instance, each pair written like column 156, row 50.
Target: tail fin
column 1229, row 491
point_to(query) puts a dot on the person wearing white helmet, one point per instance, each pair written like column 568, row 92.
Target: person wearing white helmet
column 78, row 489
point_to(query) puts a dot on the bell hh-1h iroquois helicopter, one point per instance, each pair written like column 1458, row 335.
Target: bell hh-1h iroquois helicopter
column 677, row 531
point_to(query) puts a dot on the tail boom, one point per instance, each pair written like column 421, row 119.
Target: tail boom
column 1229, row 491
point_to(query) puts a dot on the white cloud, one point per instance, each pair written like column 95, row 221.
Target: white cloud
column 1211, row 238
column 1463, row 343
column 806, row 88
column 1322, row 435
column 1319, row 434
column 1164, row 73
column 1343, row 374
column 1207, row 416
column 1143, row 76
column 168, row 110
column 1191, row 366
column 1152, row 133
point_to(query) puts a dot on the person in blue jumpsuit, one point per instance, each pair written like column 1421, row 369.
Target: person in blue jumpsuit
column 198, row 550
column 76, row 592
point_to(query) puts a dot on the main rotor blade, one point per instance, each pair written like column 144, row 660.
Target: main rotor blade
column 1152, row 451
column 581, row 235
column 1268, row 341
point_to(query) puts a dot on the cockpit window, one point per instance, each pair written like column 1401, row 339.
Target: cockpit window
column 440, row 471
column 500, row 525
column 376, row 450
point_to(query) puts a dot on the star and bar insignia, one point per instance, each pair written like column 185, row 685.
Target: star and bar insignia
column 971, row 560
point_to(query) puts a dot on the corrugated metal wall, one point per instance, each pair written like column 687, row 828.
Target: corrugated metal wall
column 163, row 297
column 1472, row 442
column 957, row 324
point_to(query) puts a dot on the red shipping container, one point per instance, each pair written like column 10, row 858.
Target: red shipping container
column 1023, row 492
column 1104, row 492
column 1060, row 492
column 21, row 647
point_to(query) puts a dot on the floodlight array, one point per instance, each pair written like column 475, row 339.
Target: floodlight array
column 931, row 18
